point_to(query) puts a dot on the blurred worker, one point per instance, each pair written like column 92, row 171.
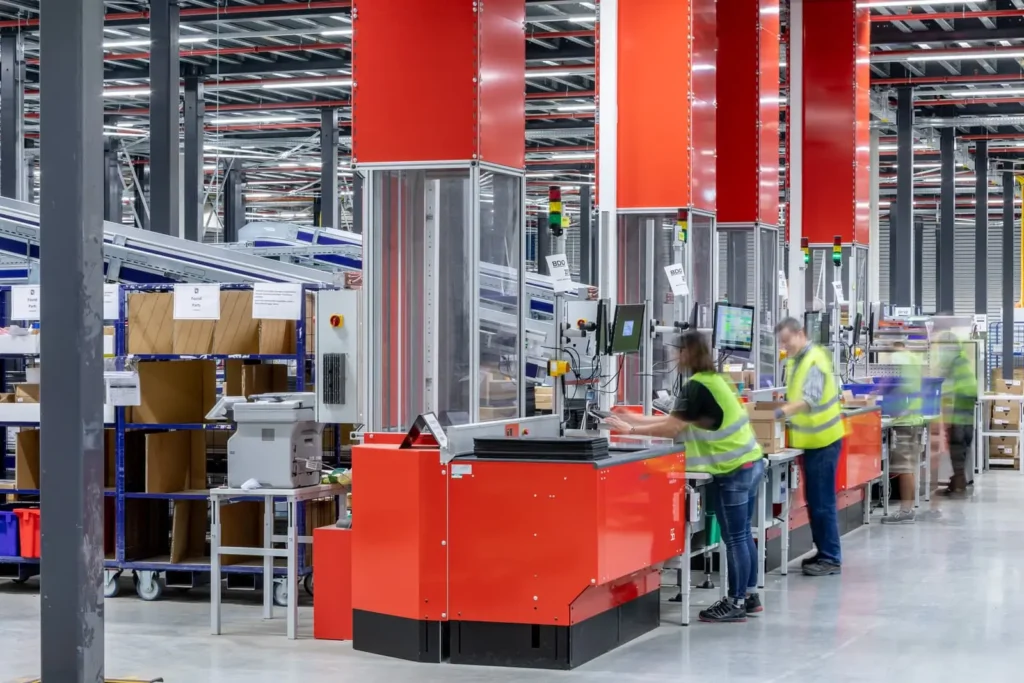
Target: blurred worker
column 907, row 444
column 959, row 394
column 710, row 419
column 816, row 427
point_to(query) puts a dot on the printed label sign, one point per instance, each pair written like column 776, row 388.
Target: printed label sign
column 677, row 280
column 25, row 302
column 197, row 302
column 558, row 268
column 274, row 301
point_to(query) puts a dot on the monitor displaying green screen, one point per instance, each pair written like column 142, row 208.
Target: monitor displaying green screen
column 627, row 332
column 734, row 328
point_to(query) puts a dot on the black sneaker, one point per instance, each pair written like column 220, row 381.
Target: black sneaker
column 752, row 604
column 813, row 559
column 823, row 568
column 723, row 612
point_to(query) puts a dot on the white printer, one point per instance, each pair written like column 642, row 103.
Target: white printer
column 278, row 440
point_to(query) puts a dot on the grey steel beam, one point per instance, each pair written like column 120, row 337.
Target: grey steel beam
column 918, row 301
column 193, row 186
column 901, row 238
column 71, row 242
column 893, row 227
column 944, row 238
column 234, row 203
column 12, row 116
column 981, row 227
column 164, row 133
column 113, row 187
column 357, row 202
column 1007, row 334
column 329, row 168
column 141, row 188
column 588, row 243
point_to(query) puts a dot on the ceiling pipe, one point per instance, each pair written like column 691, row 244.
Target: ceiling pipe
column 937, row 16
column 940, row 80
column 212, row 12
column 212, row 109
column 953, row 54
column 968, row 100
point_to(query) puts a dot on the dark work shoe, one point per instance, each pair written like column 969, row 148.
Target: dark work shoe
column 813, row 559
column 823, row 568
column 723, row 612
column 752, row 604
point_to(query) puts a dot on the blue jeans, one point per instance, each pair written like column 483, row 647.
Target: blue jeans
column 735, row 504
column 820, row 465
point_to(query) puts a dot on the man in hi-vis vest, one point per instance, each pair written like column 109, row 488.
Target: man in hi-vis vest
column 816, row 427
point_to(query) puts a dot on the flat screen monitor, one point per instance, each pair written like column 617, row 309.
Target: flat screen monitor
column 602, row 327
column 826, row 329
column 627, row 332
column 734, row 328
column 693, row 321
column 812, row 324
column 858, row 320
column 871, row 327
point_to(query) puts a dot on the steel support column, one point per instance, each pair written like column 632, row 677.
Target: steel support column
column 329, row 168
column 141, row 189
column 588, row 245
column 12, row 116
column 873, row 244
column 234, row 204
column 164, row 132
column 944, row 296
column 357, row 202
column 113, row 189
column 1007, row 273
column 981, row 264
column 192, row 186
column 901, row 239
column 918, row 301
column 71, row 239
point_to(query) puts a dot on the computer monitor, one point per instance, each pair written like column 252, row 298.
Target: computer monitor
column 628, row 330
column 694, row 313
column 812, row 324
column 734, row 328
column 825, row 329
column 858, row 320
column 871, row 327
column 602, row 327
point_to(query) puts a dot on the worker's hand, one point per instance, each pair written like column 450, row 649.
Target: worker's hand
column 616, row 424
column 780, row 414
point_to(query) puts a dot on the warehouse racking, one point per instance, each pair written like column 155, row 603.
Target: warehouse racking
column 157, row 452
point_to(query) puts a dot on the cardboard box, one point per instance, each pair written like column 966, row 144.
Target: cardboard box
column 1002, row 447
column 1007, row 386
column 26, row 393
column 770, row 433
column 175, row 392
column 150, row 322
column 1004, row 414
column 238, row 332
column 188, row 531
column 146, row 530
column 26, row 459
column 247, row 380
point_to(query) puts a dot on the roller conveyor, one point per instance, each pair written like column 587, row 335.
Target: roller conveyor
column 141, row 257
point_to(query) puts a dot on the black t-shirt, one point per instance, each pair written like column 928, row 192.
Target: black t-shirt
column 695, row 403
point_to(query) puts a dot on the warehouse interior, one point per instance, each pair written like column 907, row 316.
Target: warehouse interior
column 352, row 385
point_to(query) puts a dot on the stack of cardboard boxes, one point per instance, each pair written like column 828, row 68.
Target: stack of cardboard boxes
column 1005, row 416
column 769, row 432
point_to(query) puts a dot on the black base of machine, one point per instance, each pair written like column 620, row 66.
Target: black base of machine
column 414, row 640
column 538, row 646
column 800, row 543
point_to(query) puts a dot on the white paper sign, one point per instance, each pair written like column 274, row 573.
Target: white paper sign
column 903, row 311
column 276, row 301
column 558, row 268
column 25, row 302
column 123, row 388
column 677, row 279
column 838, row 287
column 783, row 285
column 197, row 302
column 436, row 429
column 981, row 320
column 111, row 301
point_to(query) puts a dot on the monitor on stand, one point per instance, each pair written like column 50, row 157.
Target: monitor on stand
column 628, row 330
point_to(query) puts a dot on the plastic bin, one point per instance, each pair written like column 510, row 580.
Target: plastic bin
column 28, row 523
column 931, row 395
column 8, row 534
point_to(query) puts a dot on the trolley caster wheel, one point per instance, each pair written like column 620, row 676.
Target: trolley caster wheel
column 149, row 586
column 281, row 593
column 307, row 583
column 707, row 585
column 111, row 584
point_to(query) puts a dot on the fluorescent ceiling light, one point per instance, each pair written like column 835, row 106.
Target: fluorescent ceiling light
column 231, row 121
column 589, row 5
column 116, row 131
column 924, row 46
column 579, row 18
column 319, row 83
column 115, row 32
column 125, row 92
column 578, row 107
column 991, row 92
column 340, row 17
column 549, row 74
column 963, row 43
column 872, row 4
column 1005, row 43
column 337, row 32
column 972, row 54
column 893, row 148
column 702, row 67
column 145, row 42
column 566, row 157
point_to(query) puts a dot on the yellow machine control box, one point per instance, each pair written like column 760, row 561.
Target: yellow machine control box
column 557, row 368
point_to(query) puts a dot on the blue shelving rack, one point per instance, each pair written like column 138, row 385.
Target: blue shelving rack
column 148, row 572
column 994, row 349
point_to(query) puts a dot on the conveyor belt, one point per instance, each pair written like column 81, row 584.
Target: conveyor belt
column 141, row 257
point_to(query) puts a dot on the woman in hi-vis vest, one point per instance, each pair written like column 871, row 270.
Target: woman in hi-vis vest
column 710, row 419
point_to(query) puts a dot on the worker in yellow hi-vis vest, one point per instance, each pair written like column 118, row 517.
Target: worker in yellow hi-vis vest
column 709, row 418
column 816, row 427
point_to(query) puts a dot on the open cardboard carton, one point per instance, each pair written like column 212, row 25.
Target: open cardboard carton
column 769, row 432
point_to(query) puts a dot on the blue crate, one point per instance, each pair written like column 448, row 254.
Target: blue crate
column 9, row 535
column 931, row 395
column 894, row 403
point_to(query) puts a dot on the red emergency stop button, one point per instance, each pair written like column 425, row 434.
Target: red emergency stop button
column 337, row 320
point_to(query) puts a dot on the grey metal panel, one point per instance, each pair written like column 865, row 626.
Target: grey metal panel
column 71, row 236
column 587, row 234
column 979, row 245
column 1008, row 262
column 901, row 237
column 945, row 273
column 12, row 116
column 883, row 257
column 929, row 267
column 165, row 132
column 964, row 238
column 329, row 168
column 192, row 186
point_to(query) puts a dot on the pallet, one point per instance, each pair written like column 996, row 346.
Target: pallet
column 1005, row 463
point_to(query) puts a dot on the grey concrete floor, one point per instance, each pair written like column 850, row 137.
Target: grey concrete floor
column 935, row 602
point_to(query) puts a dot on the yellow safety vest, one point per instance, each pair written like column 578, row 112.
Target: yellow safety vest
column 729, row 447
column 822, row 425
